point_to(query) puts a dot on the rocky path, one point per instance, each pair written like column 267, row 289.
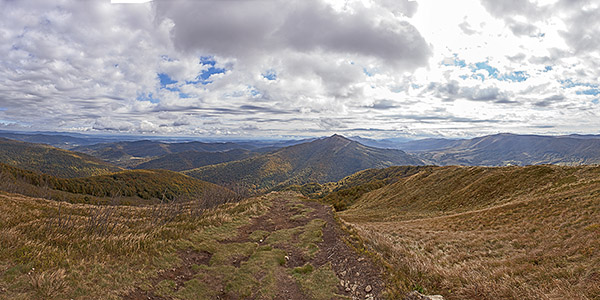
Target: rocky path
column 294, row 251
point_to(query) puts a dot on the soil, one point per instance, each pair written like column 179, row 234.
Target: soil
column 355, row 271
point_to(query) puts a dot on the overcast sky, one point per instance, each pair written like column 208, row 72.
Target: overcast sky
column 375, row 68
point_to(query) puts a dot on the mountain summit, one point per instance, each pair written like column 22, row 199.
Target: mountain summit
column 322, row 160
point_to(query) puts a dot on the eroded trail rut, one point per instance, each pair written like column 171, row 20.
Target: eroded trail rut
column 295, row 250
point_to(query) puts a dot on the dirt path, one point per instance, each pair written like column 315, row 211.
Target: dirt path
column 317, row 263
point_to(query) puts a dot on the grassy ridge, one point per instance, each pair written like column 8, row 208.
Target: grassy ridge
column 488, row 233
column 344, row 193
column 52, row 161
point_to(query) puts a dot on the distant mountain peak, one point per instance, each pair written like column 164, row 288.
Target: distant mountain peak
column 336, row 140
column 338, row 136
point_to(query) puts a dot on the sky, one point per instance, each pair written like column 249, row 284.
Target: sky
column 287, row 68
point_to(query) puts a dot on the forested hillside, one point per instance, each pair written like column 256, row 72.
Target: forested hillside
column 53, row 161
column 151, row 185
column 194, row 159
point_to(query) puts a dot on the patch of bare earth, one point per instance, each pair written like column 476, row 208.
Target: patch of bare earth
column 359, row 277
column 179, row 274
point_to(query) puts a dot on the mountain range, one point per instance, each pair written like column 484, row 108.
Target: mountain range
column 508, row 149
column 131, row 153
column 188, row 160
column 322, row 160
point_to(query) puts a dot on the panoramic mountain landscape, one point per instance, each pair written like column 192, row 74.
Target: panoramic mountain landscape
column 465, row 232
column 300, row 149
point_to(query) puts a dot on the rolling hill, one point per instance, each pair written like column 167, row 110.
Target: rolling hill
column 320, row 161
column 508, row 149
column 187, row 160
column 482, row 232
column 128, row 154
column 55, row 139
column 52, row 161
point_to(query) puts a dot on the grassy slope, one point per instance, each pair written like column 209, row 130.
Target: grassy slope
column 133, row 185
column 345, row 192
column 50, row 160
column 320, row 161
column 488, row 233
column 55, row 250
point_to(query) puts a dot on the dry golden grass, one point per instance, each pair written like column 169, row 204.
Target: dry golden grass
column 488, row 233
column 54, row 250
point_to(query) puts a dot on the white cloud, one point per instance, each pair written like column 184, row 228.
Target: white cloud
column 303, row 67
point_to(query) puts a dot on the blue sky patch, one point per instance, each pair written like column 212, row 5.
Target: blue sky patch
column 460, row 63
column 492, row 72
column 478, row 76
column 205, row 74
column 592, row 88
column 590, row 92
column 595, row 101
column 568, row 83
column 269, row 75
column 147, row 97
column 517, row 76
column 548, row 68
column 208, row 60
column 253, row 91
column 165, row 81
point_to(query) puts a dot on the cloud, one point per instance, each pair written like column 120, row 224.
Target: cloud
column 514, row 7
column 400, row 7
column 299, row 67
column 384, row 104
column 583, row 25
column 330, row 124
column 452, row 90
column 221, row 27
column 522, row 28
